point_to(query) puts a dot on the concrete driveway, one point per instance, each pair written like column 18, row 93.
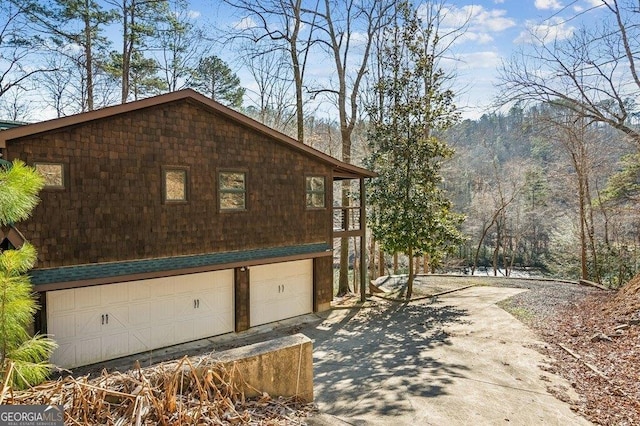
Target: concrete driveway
column 459, row 360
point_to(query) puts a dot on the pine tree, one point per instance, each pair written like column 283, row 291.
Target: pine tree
column 411, row 212
column 24, row 358
column 214, row 78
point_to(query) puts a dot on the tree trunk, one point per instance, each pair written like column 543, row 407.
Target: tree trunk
column 343, row 281
column 355, row 280
column 88, row 56
column 395, row 263
column 372, row 257
column 411, row 274
column 297, row 73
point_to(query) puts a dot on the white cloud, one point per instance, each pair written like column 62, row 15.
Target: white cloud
column 480, row 60
column 548, row 4
column 498, row 1
column 478, row 18
column 193, row 14
column 243, row 24
column 553, row 29
column 594, row 3
column 480, row 38
column 578, row 8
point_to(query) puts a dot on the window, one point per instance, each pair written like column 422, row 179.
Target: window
column 53, row 174
column 233, row 190
column 315, row 192
column 174, row 184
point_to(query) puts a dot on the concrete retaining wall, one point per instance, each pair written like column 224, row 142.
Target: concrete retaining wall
column 279, row 367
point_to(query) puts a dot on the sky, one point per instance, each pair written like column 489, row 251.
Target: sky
column 496, row 29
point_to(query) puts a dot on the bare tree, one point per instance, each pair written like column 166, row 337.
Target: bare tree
column 349, row 30
column 57, row 85
column 280, row 25
column 18, row 43
column 14, row 106
column 182, row 44
column 594, row 73
column 273, row 104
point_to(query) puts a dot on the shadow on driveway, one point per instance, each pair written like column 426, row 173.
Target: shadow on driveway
column 381, row 355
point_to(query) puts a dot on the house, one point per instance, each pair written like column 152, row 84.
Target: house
column 172, row 219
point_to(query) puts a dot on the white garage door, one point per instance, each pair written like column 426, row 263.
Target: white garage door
column 98, row 323
column 280, row 290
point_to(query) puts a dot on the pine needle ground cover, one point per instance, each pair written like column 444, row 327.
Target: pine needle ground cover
column 188, row 391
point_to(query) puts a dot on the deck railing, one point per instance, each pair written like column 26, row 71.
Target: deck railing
column 346, row 219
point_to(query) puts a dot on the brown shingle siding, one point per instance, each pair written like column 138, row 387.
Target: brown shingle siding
column 112, row 207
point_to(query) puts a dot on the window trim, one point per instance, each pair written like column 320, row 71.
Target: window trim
column 308, row 192
column 163, row 177
column 65, row 176
column 220, row 191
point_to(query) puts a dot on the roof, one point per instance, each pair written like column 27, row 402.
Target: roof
column 10, row 124
column 341, row 169
column 110, row 272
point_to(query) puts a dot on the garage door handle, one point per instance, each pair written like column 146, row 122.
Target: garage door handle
column 102, row 319
column 107, row 318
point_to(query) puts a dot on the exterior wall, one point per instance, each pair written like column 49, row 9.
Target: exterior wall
column 112, row 207
column 242, row 299
column 323, row 283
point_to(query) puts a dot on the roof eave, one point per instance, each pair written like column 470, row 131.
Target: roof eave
column 186, row 94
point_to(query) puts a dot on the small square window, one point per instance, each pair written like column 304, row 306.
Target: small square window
column 233, row 190
column 315, row 189
column 53, row 174
column 174, row 184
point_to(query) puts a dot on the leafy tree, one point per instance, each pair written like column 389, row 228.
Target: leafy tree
column 215, row 79
column 143, row 79
column 411, row 212
column 139, row 22
column 24, row 358
column 349, row 30
column 93, row 20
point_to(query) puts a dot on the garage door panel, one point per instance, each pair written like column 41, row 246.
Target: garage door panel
column 115, row 345
column 141, row 291
column 114, row 293
column 143, row 315
column 163, row 335
column 160, row 287
column 117, row 318
column 62, row 300
column 88, row 323
column 65, row 352
column 139, row 340
column 139, row 314
column 280, row 291
column 88, row 351
column 65, row 326
column 86, row 298
column 164, row 310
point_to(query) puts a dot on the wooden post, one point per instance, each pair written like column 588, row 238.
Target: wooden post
column 363, row 242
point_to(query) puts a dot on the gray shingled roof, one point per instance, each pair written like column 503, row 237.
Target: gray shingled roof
column 115, row 269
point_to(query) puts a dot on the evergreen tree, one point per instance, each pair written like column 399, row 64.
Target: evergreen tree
column 214, row 78
column 411, row 212
column 24, row 358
